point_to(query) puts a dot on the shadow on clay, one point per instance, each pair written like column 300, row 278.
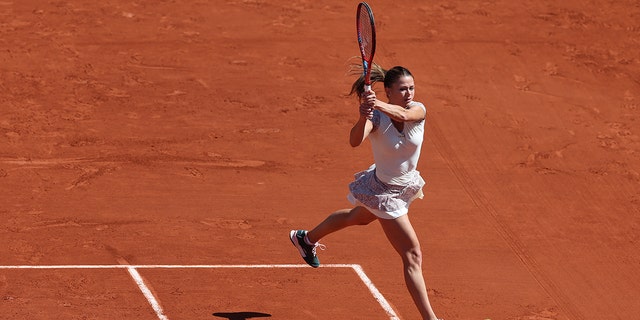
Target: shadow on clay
column 241, row 315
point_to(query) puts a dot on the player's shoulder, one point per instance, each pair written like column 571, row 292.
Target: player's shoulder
column 416, row 104
column 419, row 104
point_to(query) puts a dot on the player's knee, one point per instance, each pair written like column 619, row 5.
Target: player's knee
column 413, row 258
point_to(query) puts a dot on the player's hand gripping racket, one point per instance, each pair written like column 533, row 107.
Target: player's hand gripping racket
column 366, row 40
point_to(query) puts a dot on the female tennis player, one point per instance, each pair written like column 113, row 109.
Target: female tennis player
column 385, row 190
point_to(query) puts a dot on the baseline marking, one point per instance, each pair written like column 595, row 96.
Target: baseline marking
column 132, row 269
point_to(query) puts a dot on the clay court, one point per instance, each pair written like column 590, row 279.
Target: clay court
column 155, row 154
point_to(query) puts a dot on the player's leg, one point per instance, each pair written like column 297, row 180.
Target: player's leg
column 307, row 242
column 402, row 236
column 340, row 220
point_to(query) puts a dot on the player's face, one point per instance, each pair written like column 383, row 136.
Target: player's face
column 401, row 92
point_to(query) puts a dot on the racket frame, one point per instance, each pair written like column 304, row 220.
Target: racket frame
column 366, row 61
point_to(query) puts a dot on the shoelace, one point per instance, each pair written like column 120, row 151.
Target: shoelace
column 318, row 245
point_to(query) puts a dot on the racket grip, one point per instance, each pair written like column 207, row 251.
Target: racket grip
column 367, row 87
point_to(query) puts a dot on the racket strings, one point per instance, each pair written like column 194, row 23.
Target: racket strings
column 365, row 32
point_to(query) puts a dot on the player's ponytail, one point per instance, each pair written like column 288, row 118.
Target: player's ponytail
column 377, row 75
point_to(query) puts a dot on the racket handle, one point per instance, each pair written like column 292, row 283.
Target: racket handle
column 367, row 87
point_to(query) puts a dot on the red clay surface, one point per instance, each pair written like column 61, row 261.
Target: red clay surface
column 201, row 132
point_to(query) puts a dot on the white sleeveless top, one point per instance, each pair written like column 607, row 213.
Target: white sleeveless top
column 396, row 153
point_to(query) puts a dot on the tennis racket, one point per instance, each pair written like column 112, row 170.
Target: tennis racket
column 366, row 29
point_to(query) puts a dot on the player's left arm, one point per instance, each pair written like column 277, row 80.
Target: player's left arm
column 414, row 112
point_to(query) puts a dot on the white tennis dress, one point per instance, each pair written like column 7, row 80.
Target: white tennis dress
column 389, row 186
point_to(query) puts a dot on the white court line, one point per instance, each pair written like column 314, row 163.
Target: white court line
column 177, row 266
column 374, row 291
column 147, row 293
column 158, row 309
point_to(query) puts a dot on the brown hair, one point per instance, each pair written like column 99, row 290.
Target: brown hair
column 378, row 74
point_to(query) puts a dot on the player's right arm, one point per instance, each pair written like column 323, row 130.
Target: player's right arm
column 362, row 127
